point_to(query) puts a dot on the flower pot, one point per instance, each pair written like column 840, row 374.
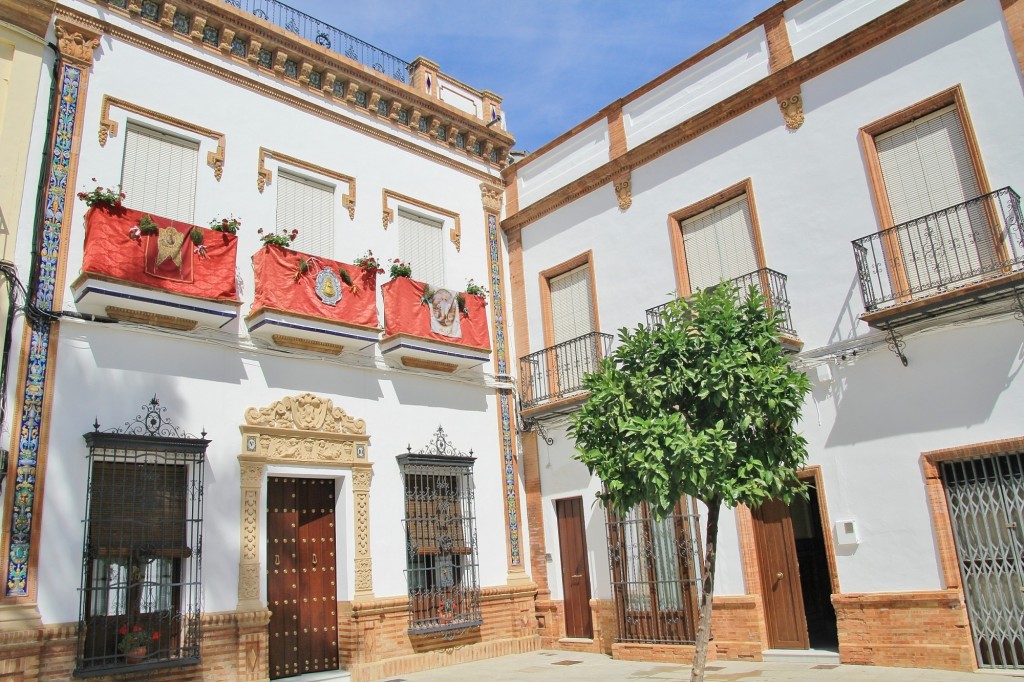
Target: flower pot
column 136, row 655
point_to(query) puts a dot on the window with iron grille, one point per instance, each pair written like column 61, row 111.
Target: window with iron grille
column 655, row 574
column 442, row 569
column 141, row 588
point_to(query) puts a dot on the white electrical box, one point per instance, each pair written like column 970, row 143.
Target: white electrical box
column 846, row 533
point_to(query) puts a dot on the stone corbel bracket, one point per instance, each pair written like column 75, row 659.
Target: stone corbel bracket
column 623, row 184
column 388, row 213
column 75, row 43
column 304, row 430
column 791, row 104
column 264, row 176
column 108, row 128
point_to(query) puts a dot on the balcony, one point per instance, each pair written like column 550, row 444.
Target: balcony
column 432, row 328
column 556, row 373
column 170, row 275
column 771, row 285
column 968, row 254
column 312, row 303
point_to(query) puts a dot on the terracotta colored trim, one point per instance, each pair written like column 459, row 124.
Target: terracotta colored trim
column 535, row 512
column 780, row 51
column 858, row 41
column 517, row 279
column 556, row 405
column 265, row 176
column 1013, row 13
column 290, row 100
column 388, row 215
column 751, row 570
column 616, row 133
column 583, row 259
column 108, row 128
column 676, row 218
column 813, row 473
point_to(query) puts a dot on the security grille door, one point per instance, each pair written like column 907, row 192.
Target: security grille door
column 301, row 577
column 986, row 498
column 926, row 168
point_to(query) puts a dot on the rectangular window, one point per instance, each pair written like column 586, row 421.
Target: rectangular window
column 655, row 574
column 307, row 206
column 441, row 554
column 421, row 244
column 159, row 173
column 141, row 566
column 719, row 244
column 572, row 304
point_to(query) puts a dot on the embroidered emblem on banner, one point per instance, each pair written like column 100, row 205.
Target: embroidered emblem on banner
column 444, row 313
column 168, row 253
column 328, row 287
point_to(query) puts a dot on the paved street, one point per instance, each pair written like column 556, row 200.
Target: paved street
column 562, row 666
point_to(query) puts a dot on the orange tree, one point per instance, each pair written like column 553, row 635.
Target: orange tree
column 703, row 403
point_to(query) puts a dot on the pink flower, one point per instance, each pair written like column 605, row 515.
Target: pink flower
column 135, row 233
column 200, row 251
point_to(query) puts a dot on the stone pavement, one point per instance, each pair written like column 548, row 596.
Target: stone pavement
column 566, row 666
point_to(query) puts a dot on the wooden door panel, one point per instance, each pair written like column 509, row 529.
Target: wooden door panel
column 780, row 576
column 318, row 594
column 282, row 577
column 575, row 571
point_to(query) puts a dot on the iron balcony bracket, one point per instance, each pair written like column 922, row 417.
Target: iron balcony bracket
column 896, row 344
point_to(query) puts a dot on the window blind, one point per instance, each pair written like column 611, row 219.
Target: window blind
column 307, row 206
column 420, row 243
column 719, row 244
column 572, row 306
column 159, row 173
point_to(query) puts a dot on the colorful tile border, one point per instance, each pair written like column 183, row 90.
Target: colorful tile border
column 39, row 340
column 504, row 394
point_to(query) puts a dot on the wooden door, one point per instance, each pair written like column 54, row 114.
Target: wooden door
column 572, row 542
column 780, row 577
column 301, row 576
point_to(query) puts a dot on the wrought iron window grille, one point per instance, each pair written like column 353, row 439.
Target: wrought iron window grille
column 442, row 565
column 655, row 574
column 140, row 603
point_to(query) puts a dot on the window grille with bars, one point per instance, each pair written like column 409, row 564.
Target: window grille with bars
column 442, row 568
column 141, row 560
column 655, row 574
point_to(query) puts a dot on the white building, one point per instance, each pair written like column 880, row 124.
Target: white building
column 842, row 119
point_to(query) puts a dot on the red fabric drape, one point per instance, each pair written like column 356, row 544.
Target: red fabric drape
column 111, row 252
column 406, row 313
column 277, row 287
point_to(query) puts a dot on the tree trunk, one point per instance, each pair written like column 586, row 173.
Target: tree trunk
column 700, row 657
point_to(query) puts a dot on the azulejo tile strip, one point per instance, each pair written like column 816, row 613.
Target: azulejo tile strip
column 504, row 394
column 39, row 343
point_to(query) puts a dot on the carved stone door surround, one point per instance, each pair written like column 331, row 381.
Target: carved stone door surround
column 301, row 430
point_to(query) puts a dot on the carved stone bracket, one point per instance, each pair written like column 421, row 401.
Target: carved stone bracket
column 301, row 430
column 108, row 128
column 623, row 184
column 388, row 213
column 792, row 108
column 264, row 176
column 75, row 43
column 490, row 196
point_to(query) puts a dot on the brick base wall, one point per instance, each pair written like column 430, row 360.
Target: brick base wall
column 737, row 628
column 908, row 629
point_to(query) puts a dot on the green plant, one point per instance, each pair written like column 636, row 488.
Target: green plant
column 475, row 289
column 279, row 238
column 400, row 269
column 369, row 263
column 704, row 403
column 102, row 196
column 135, row 638
column 231, row 224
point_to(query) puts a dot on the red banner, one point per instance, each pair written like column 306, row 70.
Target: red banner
column 166, row 260
column 411, row 308
column 320, row 291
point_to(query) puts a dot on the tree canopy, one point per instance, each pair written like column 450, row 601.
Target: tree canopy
column 703, row 403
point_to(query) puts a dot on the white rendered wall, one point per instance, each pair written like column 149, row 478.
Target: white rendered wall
column 207, row 379
column 580, row 154
column 815, row 23
column 812, row 197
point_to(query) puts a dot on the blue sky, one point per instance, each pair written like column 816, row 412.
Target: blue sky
column 555, row 62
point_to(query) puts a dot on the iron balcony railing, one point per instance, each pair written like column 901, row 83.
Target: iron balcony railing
column 770, row 283
column 558, row 371
column 963, row 244
column 327, row 36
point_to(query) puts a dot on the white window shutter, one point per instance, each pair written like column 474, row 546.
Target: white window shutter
column 719, row 244
column 421, row 244
column 572, row 306
column 159, row 173
column 307, row 206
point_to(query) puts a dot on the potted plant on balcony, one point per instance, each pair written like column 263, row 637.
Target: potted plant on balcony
column 134, row 642
column 104, row 197
column 230, row 225
column 400, row 268
column 278, row 238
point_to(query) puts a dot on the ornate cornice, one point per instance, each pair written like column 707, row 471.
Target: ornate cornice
column 264, row 176
column 388, row 214
column 75, row 43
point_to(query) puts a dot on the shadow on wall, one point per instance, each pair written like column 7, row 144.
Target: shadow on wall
column 954, row 380
column 848, row 320
column 291, row 374
column 438, row 393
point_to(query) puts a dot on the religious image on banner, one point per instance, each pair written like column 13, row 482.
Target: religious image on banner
column 444, row 312
column 168, row 253
column 328, row 287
